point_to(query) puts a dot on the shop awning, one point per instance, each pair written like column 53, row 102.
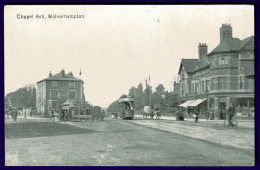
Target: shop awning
column 185, row 104
column 196, row 102
column 69, row 104
column 65, row 107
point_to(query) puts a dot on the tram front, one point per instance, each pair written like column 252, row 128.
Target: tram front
column 126, row 107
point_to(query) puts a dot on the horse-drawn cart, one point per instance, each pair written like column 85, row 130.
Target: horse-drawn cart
column 83, row 116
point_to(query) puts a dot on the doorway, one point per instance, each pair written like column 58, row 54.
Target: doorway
column 222, row 110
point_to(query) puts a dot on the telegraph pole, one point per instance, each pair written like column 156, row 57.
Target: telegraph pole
column 150, row 92
column 150, row 100
column 148, row 86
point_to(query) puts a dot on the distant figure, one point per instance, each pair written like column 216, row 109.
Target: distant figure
column 158, row 113
column 196, row 116
column 116, row 115
column 66, row 116
column 102, row 115
column 113, row 115
column 231, row 113
column 15, row 113
column 151, row 114
column 62, row 116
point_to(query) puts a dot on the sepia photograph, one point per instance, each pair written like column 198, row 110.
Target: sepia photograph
column 129, row 85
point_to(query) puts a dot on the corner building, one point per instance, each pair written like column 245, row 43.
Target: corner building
column 54, row 91
column 222, row 77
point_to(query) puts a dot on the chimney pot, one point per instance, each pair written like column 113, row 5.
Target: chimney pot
column 63, row 73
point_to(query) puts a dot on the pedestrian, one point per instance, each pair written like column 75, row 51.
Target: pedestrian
column 62, row 115
column 196, row 116
column 15, row 115
column 231, row 113
column 158, row 114
column 66, row 116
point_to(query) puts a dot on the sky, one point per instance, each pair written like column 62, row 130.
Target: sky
column 116, row 47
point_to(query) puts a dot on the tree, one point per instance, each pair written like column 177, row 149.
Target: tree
column 132, row 91
column 23, row 97
column 160, row 89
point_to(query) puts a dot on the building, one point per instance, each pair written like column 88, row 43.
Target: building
column 172, row 99
column 58, row 89
column 222, row 77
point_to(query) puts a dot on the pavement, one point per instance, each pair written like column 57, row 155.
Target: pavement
column 247, row 123
column 239, row 138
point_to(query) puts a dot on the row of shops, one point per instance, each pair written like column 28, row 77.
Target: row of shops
column 219, row 106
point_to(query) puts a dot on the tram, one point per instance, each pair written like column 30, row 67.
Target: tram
column 126, row 104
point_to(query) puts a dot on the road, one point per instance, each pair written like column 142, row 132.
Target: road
column 126, row 143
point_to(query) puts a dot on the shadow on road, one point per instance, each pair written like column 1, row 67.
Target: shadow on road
column 41, row 129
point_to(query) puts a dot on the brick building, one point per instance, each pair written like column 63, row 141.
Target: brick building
column 54, row 91
column 224, row 76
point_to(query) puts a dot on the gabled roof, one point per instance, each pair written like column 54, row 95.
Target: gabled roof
column 245, row 41
column 230, row 44
column 188, row 64
column 59, row 77
column 202, row 65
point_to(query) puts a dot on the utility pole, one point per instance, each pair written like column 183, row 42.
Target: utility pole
column 149, row 92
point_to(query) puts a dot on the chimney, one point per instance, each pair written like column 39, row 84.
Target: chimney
column 63, row 73
column 225, row 32
column 50, row 74
column 70, row 73
column 203, row 51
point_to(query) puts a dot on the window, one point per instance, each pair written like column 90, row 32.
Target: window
column 207, row 85
column 72, row 94
column 182, row 75
column 196, row 87
column 72, row 84
column 183, row 89
column 54, row 106
column 192, row 88
column 54, row 84
column 222, row 83
column 54, row 94
column 241, row 82
column 212, row 61
column 43, row 94
column 251, row 84
column 202, row 87
column 212, row 84
column 223, row 60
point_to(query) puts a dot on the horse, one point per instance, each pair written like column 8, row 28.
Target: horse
column 151, row 114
